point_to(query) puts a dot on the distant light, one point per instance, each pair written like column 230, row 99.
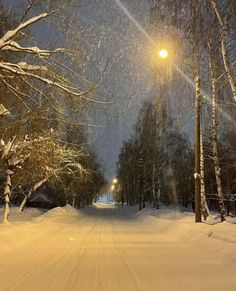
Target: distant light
column 112, row 187
column 114, row 181
column 163, row 53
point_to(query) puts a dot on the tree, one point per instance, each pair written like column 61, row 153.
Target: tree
column 13, row 154
column 214, row 133
column 42, row 70
column 51, row 160
column 165, row 171
column 42, row 89
column 200, row 24
column 225, row 22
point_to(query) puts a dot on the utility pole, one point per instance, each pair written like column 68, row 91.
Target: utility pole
column 198, row 216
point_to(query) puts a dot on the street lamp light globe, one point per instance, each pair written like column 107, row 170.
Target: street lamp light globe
column 114, row 181
column 163, row 53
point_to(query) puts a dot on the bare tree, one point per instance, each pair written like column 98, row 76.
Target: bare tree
column 204, row 206
column 225, row 33
column 214, row 132
column 40, row 69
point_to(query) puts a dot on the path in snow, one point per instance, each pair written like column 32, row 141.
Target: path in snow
column 108, row 249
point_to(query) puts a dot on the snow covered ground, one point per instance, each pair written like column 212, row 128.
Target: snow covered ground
column 108, row 248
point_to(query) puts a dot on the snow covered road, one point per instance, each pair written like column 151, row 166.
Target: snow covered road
column 106, row 249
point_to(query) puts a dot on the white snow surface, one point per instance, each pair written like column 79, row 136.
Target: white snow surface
column 106, row 248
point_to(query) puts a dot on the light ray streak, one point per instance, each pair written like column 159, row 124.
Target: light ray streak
column 148, row 37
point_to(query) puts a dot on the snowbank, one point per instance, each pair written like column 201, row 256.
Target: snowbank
column 176, row 224
column 27, row 215
column 24, row 227
column 120, row 248
column 63, row 214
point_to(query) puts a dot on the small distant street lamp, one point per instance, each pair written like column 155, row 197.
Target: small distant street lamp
column 116, row 188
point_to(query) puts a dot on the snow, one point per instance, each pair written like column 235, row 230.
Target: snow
column 41, row 197
column 105, row 247
column 27, row 216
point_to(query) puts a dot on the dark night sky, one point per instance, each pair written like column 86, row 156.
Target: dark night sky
column 113, row 40
column 127, row 81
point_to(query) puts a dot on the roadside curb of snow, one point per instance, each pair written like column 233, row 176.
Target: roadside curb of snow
column 181, row 224
column 59, row 213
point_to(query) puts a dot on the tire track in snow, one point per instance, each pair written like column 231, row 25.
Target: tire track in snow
column 74, row 251
column 41, row 260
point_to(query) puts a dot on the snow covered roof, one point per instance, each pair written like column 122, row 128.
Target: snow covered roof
column 40, row 197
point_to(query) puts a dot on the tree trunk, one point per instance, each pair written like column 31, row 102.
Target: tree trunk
column 73, row 201
column 144, row 205
column 140, row 202
column 122, row 194
column 144, row 188
column 224, row 34
column 228, row 69
column 204, row 206
column 153, row 185
column 36, row 186
column 7, row 195
column 22, row 205
column 214, row 136
column 158, row 195
column 140, row 182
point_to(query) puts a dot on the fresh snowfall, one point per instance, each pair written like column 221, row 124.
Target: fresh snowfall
column 106, row 247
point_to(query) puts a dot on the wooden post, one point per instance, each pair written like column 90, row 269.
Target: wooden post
column 198, row 217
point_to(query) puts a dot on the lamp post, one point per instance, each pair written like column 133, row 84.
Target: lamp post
column 198, row 215
column 164, row 54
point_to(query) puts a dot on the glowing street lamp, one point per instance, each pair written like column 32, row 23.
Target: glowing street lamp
column 114, row 181
column 163, row 53
column 112, row 188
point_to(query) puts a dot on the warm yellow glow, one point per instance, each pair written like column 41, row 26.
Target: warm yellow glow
column 114, row 181
column 163, row 53
column 112, row 187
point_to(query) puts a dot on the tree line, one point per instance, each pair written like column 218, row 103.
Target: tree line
column 200, row 36
column 45, row 100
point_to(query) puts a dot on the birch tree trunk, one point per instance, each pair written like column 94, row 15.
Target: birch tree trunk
column 153, row 185
column 158, row 194
column 22, row 205
column 204, row 206
column 225, row 30
column 36, row 186
column 214, row 137
column 7, row 195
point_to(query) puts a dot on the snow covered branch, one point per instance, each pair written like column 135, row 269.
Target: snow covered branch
column 16, row 69
column 15, row 47
column 9, row 35
column 42, row 73
column 3, row 110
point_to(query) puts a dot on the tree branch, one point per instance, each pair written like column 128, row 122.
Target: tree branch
column 12, row 33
